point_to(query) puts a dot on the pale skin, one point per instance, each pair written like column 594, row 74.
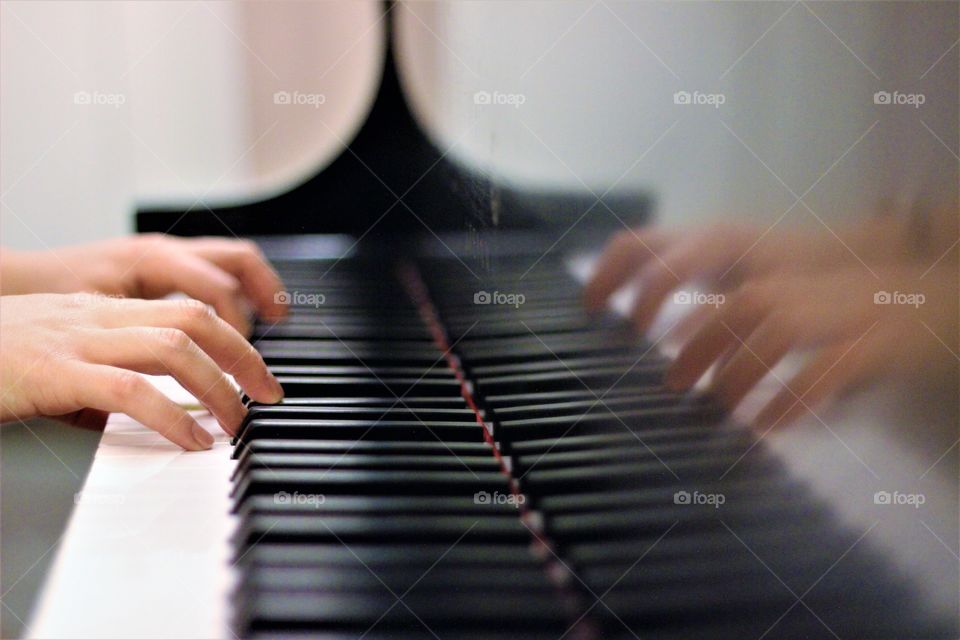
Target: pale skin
column 78, row 327
column 810, row 291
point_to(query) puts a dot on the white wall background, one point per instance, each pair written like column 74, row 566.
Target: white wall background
column 198, row 119
column 597, row 78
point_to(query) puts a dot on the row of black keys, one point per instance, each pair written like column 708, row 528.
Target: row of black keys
column 370, row 502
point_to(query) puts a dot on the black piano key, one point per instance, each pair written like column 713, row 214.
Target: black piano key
column 301, row 386
column 442, row 578
column 606, row 525
column 575, row 409
column 341, row 331
column 368, row 483
column 394, row 411
column 733, row 490
column 425, row 402
column 377, row 505
column 320, row 528
column 382, row 555
column 493, row 612
column 641, row 474
column 638, row 421
column 599, row 447
column 623, row 437
column 439, row 371
column 702, row 448
column 397, row 411
column 498, row 401
column 353, row 461
column 626, row 362
column 385, row 447
column 363, row 430
column 602, row 378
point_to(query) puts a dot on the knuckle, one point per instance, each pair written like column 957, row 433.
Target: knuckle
column 231, row 288
column 194, row 311
column 128, row 386
column 174, row 340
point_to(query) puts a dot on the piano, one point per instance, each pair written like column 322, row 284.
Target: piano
column 463, row 452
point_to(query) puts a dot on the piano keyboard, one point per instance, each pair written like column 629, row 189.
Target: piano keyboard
column 458, row 458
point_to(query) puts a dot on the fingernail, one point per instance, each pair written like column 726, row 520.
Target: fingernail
column 204, row 439
column 277, row 389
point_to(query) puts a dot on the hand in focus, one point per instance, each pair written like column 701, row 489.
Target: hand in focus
column 61, row 355
column 222, row 272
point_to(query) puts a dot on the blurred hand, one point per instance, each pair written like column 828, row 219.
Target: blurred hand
column 857, row 327
column 788, row 291
column 62, row 354
column 221, row 272
column 723, row 256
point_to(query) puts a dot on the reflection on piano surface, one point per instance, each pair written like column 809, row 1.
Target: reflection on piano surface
column 463, row 456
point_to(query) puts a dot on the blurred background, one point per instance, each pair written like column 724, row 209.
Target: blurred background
column 584, row 96
column 776, row 112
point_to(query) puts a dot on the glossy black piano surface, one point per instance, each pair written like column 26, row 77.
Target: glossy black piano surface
column 449, row 463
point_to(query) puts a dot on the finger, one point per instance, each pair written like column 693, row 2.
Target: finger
column 220, row 341
column 728, row 327
column 833, row 370
column 691, row 324
column 623, row 255
column 703, row 256
column 755, row 357
column 169, row 352
column 202, row 281
column 121, row 391
column 830, row 371
column 244, row 260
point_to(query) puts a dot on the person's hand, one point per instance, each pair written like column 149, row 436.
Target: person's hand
column 222, row 272
column 723, row 256
column 856, row 326
column 63, row 354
